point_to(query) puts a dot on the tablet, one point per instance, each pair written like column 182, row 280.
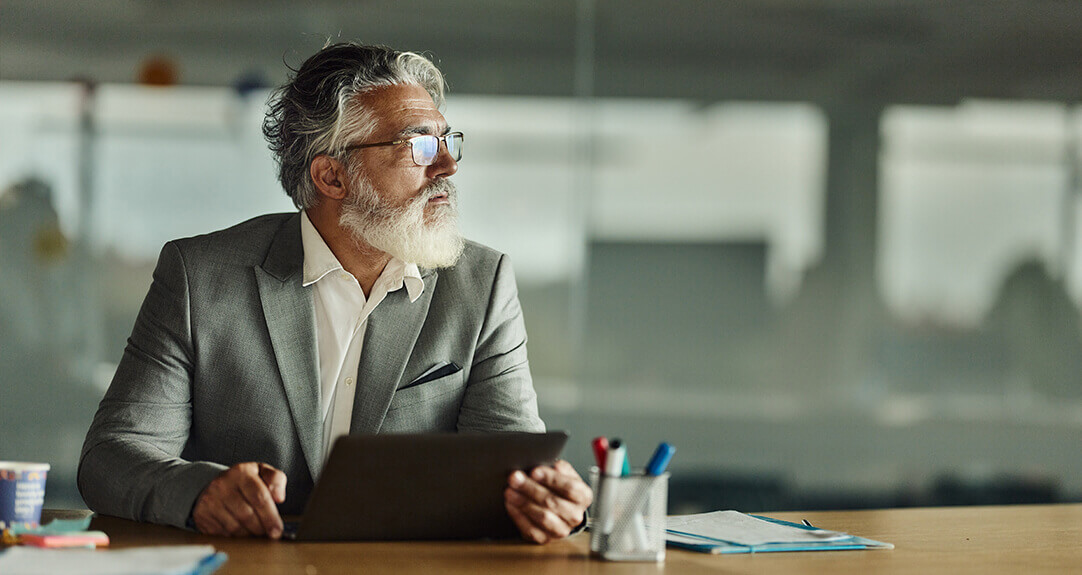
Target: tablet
column 426, row 486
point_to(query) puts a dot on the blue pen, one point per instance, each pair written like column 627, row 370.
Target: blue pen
column 660, row 460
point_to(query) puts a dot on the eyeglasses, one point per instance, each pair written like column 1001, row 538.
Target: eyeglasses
column 425, row 147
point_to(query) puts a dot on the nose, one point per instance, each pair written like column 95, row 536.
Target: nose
column 445, row 165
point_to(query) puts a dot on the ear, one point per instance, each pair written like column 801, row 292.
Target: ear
column 329, row 175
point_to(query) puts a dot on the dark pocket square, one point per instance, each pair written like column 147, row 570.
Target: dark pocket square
column 443, row 371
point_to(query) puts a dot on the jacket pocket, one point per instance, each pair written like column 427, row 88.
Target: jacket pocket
column 435, row 373
column 431, row 391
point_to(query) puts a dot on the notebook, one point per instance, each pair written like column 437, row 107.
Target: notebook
column 424, row 486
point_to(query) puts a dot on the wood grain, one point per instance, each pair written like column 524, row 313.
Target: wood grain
column 954, row 540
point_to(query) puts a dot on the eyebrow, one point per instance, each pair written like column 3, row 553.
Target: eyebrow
column 422, row 130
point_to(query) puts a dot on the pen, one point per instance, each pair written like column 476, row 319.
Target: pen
column 601, row 450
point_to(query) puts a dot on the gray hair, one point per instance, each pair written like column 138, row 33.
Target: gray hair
column 315, row 112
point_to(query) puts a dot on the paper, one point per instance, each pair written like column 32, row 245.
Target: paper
column 165, row 560
column 741, row 529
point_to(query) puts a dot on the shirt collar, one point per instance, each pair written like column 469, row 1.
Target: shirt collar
column 319, row 261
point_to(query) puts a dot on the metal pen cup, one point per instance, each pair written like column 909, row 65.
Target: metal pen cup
column 627, row 519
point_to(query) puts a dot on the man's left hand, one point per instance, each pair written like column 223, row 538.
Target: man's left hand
column 549, row 503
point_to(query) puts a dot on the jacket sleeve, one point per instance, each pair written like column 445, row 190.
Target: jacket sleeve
column 131, row 463
column 499, row 393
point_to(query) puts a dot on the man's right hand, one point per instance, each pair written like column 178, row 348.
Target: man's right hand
column 241, row 502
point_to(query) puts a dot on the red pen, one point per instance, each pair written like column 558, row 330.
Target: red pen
column 601, row 451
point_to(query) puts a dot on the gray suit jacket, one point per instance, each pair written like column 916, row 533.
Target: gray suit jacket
column 222, row 367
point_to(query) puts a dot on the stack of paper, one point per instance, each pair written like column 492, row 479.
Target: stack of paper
column 735, row 532
column 166, row 560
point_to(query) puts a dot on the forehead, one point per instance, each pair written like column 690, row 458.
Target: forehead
column 404, row 108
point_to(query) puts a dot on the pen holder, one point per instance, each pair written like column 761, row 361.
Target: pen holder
column 628, row 519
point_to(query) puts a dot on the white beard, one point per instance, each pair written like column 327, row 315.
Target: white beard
column 403, row 232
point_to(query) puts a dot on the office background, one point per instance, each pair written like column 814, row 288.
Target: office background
column 829, row 249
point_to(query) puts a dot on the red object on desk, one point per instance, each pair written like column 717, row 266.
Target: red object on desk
column 82, row 539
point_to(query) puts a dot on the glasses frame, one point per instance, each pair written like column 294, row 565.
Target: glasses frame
column 439, row 139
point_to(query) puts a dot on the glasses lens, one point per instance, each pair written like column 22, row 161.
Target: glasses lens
column 425, row 149
column 454, row 145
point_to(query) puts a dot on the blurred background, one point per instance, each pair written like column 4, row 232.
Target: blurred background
column 830, row 249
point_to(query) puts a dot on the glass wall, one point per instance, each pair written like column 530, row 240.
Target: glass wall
column 829, row 251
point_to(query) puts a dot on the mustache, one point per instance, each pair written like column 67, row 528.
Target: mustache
column 439, row 188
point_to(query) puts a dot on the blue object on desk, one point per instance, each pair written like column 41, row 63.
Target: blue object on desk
column 54, row 527
column 660, row 460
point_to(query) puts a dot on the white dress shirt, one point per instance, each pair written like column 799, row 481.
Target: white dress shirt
column 341, row 317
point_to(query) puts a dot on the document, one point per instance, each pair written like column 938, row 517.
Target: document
column 735, row 532
column 165, row 560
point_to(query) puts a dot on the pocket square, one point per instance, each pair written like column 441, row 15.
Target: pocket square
column 434, row 374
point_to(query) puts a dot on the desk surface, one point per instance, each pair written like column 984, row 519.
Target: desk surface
column 1016, row 539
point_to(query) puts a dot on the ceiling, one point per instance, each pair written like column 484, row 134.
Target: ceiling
column 833, row 52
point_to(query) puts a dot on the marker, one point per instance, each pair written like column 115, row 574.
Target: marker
column 614, row 465
column 615, row 458
column 601, row 451
column 660, row 460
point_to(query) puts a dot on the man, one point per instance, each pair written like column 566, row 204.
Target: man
column 365, row 312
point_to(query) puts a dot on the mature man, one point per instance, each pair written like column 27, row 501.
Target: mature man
column 366, row 312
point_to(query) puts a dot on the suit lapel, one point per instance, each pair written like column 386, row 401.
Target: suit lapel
column 290, row 313
column 389, row 338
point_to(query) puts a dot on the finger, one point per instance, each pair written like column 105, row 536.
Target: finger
column 258, row 497
column 528, row 530
column 237, row 506
column 554, row 525
column 563, row 464
column 567, row 485
column 529, row 487
column 275, row 481
column 566, row 468
column 546, row 520
column 569, row 511
column 515, row 498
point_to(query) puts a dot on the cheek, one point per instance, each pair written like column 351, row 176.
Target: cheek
column 401, row 187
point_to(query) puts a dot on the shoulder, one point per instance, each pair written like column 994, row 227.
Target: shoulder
column 480, row 283
column 245, row 243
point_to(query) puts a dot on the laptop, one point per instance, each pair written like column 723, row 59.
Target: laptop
column 422, row 486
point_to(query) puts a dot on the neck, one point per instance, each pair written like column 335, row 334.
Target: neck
column 361, row 260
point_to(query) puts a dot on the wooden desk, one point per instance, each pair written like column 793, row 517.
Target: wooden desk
column 955, row 540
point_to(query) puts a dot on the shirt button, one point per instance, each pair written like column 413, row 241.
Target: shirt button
column 349, row 381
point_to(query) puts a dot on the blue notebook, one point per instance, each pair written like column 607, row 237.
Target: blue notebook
column 732, row 532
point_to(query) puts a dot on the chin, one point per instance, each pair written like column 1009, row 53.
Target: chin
column 441, row 253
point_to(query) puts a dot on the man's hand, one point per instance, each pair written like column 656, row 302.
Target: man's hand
column 240, row 502
column 549, row 503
